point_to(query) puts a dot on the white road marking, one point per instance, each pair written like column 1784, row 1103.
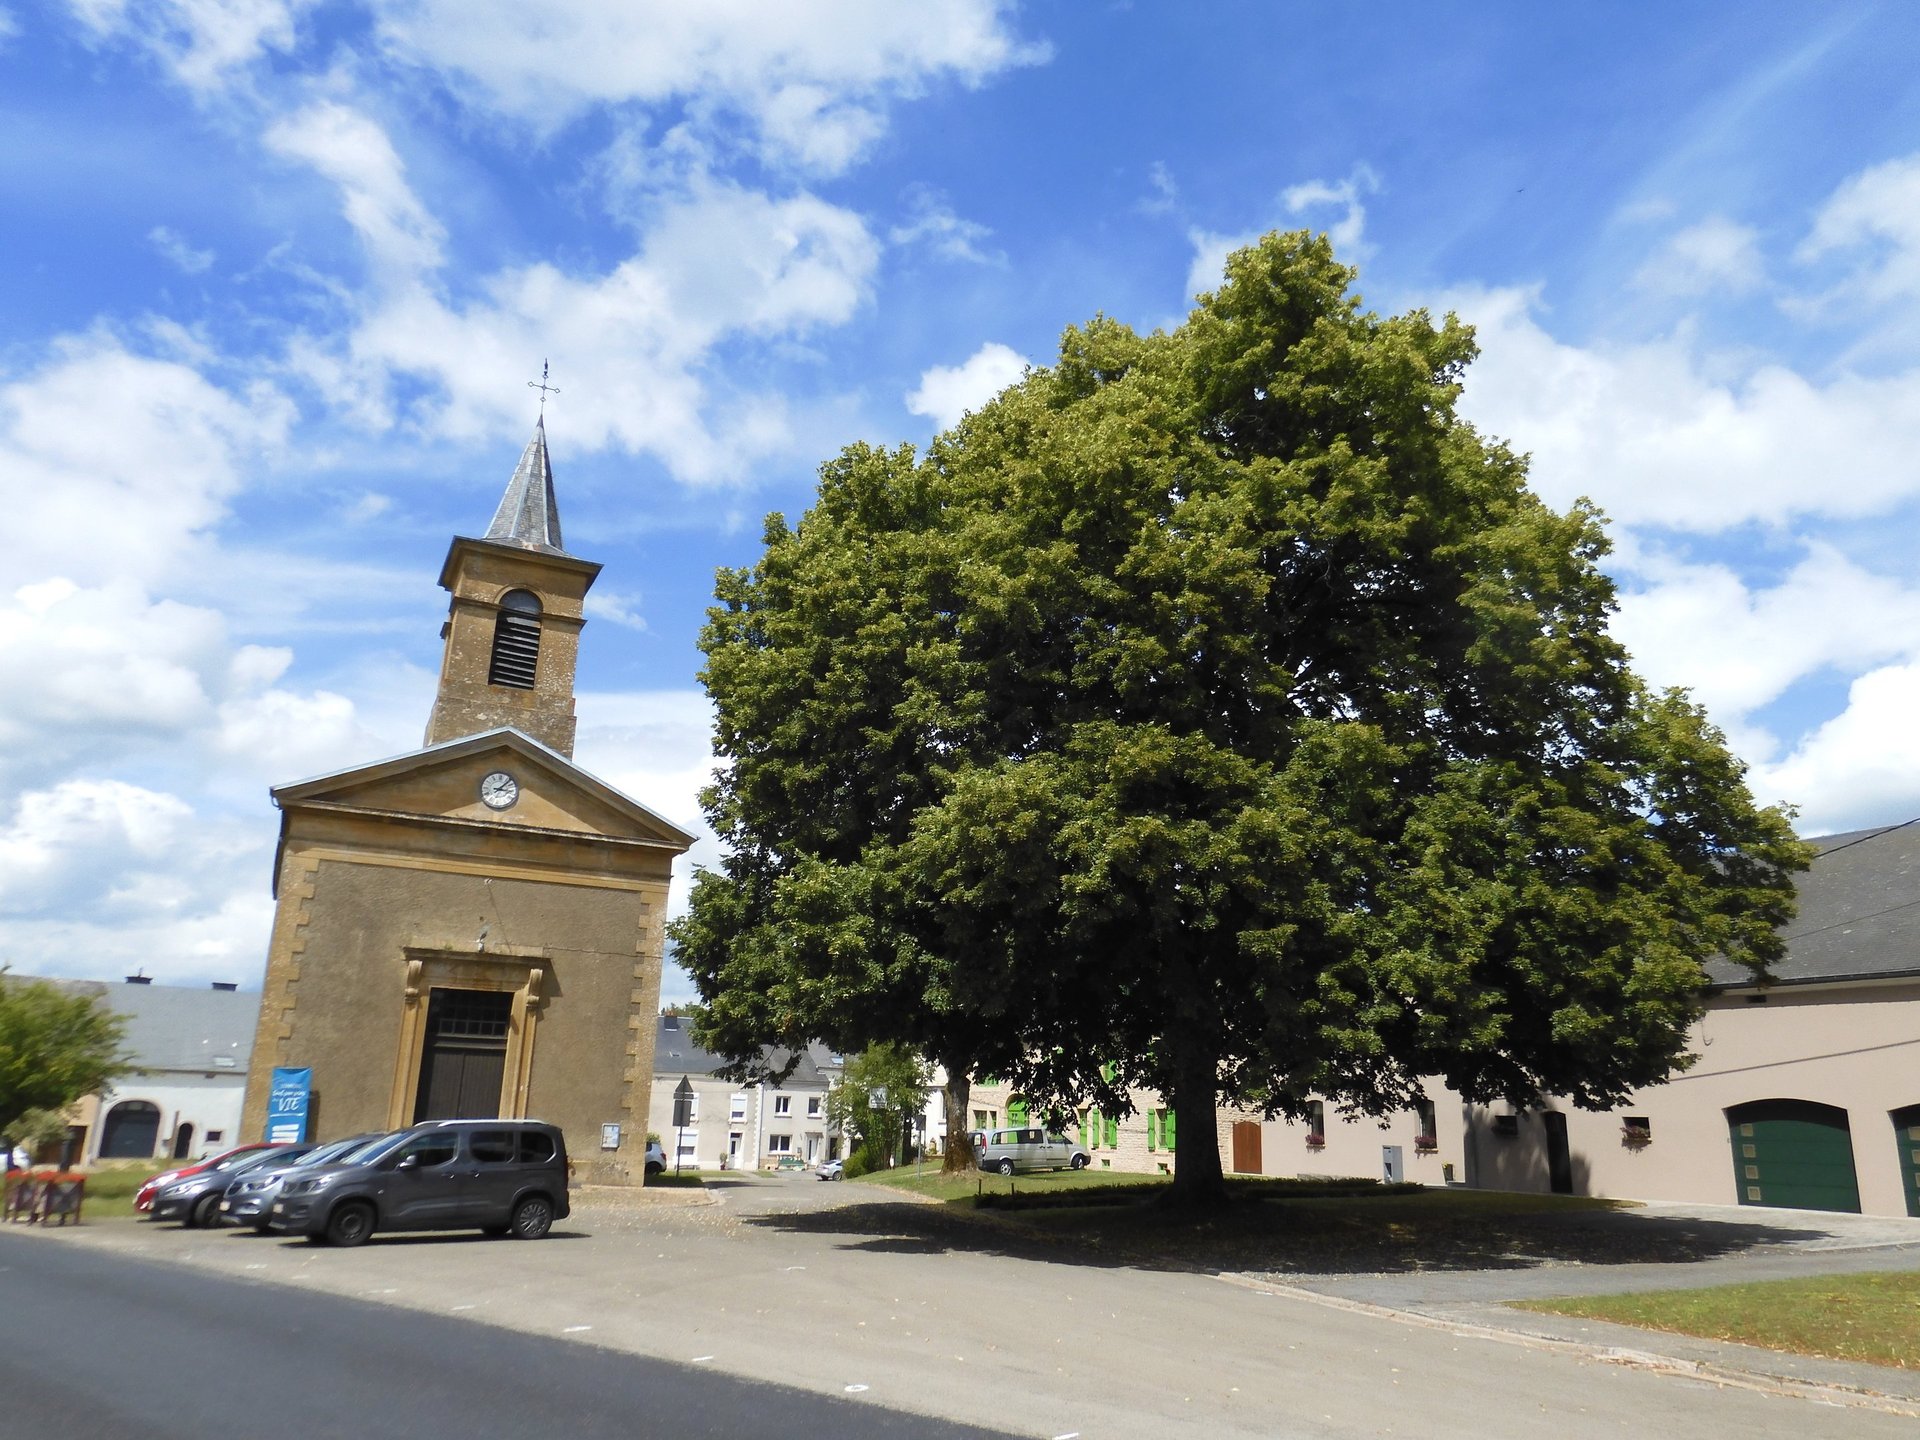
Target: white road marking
column 699, row 1359
column 855, row 1389
column 575, row 1329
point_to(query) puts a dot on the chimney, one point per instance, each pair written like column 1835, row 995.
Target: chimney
column 226, row 984
column 139, row 980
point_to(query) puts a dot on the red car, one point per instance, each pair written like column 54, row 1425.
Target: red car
column 143, row 1198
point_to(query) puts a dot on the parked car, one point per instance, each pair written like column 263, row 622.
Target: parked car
column 501, row 1177
column 143, row 1197
column 833, row 1170
column 252, row 1194
column 1028, row 1149
column 194, row 1200
column 656, row 1157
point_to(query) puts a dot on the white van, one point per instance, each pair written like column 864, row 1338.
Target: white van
column 1029, row 1149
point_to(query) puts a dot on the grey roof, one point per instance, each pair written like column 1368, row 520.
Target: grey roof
column 529, row 516
column 1859, row 911
column 180, row 1027
column 675, row 1053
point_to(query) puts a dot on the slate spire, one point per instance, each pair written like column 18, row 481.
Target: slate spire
column 528, row 515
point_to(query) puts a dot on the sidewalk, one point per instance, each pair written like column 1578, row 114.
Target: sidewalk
column 1476, row 1302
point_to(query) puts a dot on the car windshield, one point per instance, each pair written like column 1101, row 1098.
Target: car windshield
column 261, row 1159
column 239, row 1160
column 338, row 1150
column 373, row 1149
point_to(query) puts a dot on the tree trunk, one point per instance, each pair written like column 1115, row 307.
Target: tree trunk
column 956, row 1156
column 1198, row 1181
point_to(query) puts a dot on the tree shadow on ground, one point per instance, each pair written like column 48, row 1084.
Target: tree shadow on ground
column 1438, row 1230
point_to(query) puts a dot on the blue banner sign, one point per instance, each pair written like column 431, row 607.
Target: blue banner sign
column 287, row 1105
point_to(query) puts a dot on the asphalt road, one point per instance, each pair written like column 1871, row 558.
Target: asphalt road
column 660, row 1313
column 99, row 1347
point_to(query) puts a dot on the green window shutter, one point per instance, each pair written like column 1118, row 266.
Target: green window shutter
column 1093, row 1120
column 1153, row 1131
column 1113, row 1131
column 1083, row 1129
column 1016, row 1112
column 1166, row 1127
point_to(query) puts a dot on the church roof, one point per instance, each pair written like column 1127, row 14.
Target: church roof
column 319, row 787
column 529, row 516
column 179, row 1027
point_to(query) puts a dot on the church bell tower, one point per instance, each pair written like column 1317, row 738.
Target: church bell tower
column 513, row 629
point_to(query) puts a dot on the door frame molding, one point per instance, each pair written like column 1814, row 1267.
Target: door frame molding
column 518, row 971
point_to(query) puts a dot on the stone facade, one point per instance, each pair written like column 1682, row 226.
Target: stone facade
column 476, row 928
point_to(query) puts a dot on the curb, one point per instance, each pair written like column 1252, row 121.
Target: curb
column 1759, row 1381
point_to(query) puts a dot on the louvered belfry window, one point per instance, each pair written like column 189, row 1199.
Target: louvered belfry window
column 516, row 641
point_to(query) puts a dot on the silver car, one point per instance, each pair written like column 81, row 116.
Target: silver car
column 1028, row 1149
column 250, row 1199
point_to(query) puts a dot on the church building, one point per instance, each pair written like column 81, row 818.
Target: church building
column 476, row 928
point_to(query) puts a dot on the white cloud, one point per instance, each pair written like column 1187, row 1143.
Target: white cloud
column 1739, row 647
column 1716, row 256
column 812, row 77
column 1348, row 232
column 948, row 392
column 178, row 252
column 1300, row 204
column 349, row 149
column 1656, row 435
column 616, row 609
column 201, row 41
column 1874, row 219
column 931, row 222
column 1860, row 768
column 719, row 262
column 9, row 26
column 117, row 464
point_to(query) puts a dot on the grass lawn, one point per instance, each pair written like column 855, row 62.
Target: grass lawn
column 1270, row 1225
column 1872, row 1318
column 111, row 1188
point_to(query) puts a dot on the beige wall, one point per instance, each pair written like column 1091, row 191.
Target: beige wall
column 373, row 908
column 1854, row 1046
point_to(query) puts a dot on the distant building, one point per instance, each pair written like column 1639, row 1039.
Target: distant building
column 181, row 1099
column 475, row 928
column 735, row 1126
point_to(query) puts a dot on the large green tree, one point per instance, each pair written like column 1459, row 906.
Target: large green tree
column 55, row 1046
column 890, row 1070
column 1239, row 726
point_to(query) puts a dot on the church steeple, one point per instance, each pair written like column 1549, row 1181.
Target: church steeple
column 513, row 630
column 529, row 516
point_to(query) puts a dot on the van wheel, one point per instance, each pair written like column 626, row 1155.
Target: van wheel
column 1006, row 1167
column 532, row 1217
column 350, row 1225
column 1079, row 1162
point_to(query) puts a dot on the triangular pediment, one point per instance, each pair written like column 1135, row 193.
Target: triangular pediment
column 542, row 790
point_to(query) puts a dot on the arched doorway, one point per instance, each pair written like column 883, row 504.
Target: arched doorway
column 1793, row 1153
column 1906, row 1134
column 131, row 1130
column 182, row 1141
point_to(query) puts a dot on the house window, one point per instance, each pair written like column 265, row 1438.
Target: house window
column 1429, row 1122
column 738, row 1110
column 516, row 641
column 1166, row 1121
column 813, row 1107
column 783, row 1104
column 780, row 1144
column 1113, row 1131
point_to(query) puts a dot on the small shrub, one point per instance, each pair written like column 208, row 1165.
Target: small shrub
column 863, row 1161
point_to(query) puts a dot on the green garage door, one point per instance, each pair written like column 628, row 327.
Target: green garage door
column 1793, row 1153
column 1906, row 1130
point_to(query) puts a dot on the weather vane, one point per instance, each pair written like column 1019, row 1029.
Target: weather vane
column 544, row 389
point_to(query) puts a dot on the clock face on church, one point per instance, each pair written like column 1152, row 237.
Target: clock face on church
column 499, row 790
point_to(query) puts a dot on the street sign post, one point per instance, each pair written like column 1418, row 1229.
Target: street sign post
column 682, row 1117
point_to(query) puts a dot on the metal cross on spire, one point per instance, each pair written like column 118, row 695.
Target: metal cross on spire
column 544, row 389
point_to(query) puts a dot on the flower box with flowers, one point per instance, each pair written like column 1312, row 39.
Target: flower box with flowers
column 1316, row 1141
column 1425, row 1144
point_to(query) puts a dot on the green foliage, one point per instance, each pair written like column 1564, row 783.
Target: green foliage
column 35, row 1129
column 54, row 1047
column 1218, row 703
column 864, row 1160
column 893, row 1068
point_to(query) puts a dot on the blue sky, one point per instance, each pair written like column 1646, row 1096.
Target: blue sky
column 278, row 272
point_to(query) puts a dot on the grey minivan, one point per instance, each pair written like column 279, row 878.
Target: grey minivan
column 502, row 1177
column 1028, row 1149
